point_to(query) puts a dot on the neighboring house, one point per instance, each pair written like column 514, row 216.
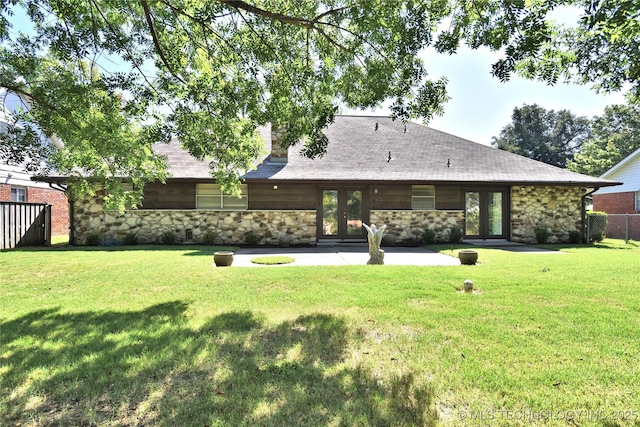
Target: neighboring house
column 16, row 184
column 375, row 171
column 624, row 199
column 621, row 201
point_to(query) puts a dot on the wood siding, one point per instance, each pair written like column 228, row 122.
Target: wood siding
column 449, row 197
column 628, row 174
column 390, row 196
column 286, row 196
column 398, row 196
column 173, row 195
column 182, row 195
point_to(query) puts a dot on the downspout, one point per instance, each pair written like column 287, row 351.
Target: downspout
column 583, row 230
column 72, row 233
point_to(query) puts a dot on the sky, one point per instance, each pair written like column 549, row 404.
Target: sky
column 481, row 106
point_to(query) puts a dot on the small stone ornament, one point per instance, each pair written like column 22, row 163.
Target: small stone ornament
column 468, row 286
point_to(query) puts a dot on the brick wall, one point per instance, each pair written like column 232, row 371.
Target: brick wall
column 5, row 193
column 615, row 203
column 59, row 207
column 57, row 200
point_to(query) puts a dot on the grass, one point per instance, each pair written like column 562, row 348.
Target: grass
column 60, row 240
column 273, row 260
column 157, row 336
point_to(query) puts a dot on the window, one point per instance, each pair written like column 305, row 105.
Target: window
column 638, row 200
column 423, row 197
column 18, row 194
column 210, row 196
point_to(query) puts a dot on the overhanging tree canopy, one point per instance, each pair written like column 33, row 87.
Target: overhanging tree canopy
column 112, row 77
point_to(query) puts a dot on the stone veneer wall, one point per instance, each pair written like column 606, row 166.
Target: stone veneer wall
column 559, row 209
column 556, row 208
column 231, row 227
column 408, row 225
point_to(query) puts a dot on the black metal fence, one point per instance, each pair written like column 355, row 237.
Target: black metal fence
column 24, row 224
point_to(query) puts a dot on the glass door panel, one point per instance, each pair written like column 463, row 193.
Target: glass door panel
column 486, row 213
column 472, row 213
column 343, row 212
column 494, row 213
column 354, row 212
column 330, row 212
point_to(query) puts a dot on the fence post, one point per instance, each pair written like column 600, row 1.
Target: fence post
column 47, row 225
column 626, row 229
column 588, row 229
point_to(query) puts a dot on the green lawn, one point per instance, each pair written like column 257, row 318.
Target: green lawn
column 158, row 336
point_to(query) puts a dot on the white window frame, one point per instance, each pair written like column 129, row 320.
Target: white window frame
column 421, row 201
column 210, row 196
column 18, row 193
column 638, row 200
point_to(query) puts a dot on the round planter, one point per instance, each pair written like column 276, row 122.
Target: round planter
column 468, row 257
column 223, row 258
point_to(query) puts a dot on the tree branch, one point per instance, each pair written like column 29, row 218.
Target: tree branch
column 330, row 12
column 274, row 16
column 179, row 11
column 156, row 41
column 124, row 47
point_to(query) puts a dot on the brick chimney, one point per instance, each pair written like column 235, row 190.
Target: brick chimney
column 279, row 154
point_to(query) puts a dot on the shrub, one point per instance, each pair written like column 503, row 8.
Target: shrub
column 455, row 234
column 209, row 238
column 574, row 236
column 169, row 238
column 429, row 236
column 251, row 239
column 542, row 235
column 597, row 224
column 131, row 239
column 92, row 239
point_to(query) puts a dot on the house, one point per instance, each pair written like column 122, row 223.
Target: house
column 377, row 171
column 16, row 184
column 621, row 201
column 624, row 199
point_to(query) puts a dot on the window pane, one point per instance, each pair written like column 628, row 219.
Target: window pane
column 209, row 196
column 207, row 202
column 329, row 212
column 495, row 213
column 423, row 197
column 422, row 193
column 233, row 202
column 423, row 190
column 472, row 213
column 18, row 195
column 207, row 189
column 424, row 203
column 354, row 212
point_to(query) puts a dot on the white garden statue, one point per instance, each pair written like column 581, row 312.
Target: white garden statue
column 375, row 239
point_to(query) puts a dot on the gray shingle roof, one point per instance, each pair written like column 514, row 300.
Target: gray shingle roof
column 358, row 152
